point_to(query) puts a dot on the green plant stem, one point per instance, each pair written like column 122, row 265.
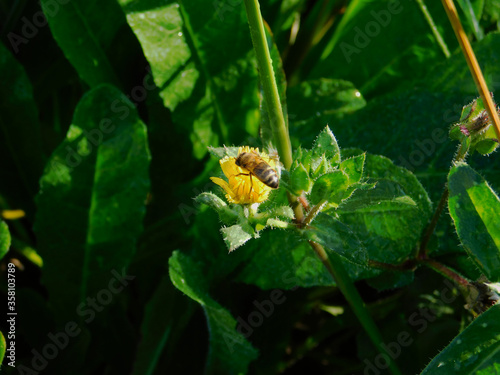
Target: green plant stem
column 282, row 139
column 314, row 212
column 430, row 21
column 345, row 284
column 432, row 225
column 268, row 81
column 271, row 95
column 407, row 265
column 463, row 148
column 446, row 272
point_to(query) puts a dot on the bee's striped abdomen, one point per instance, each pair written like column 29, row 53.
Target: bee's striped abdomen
column 267, row 175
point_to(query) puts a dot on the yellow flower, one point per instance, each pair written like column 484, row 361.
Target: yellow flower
column 239, row 188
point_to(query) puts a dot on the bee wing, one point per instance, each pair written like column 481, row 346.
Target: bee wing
column 273, row 155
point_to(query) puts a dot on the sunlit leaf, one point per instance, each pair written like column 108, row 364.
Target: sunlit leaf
column 477, row 345
column 474, row 208
column 212, row 90
column 90, row 211
column 330, row 187
column 85, row 31
column 300, row 180
column 4, row 239
column 236, row 235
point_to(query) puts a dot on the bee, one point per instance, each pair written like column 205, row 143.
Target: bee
column 256, row 166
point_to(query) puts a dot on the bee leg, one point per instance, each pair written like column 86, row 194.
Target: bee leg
column 251, row 181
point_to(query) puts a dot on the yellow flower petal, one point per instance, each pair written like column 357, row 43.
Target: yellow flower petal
column 223, row 184
column 12, row 214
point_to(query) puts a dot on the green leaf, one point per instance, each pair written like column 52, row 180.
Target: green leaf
column 474, row 208
column 477, row 345
column 450, row 76
column 85, row 32
column 494, row 369
column 229, row 352
column 472, row 109
column 298, row 265
column 274, row 224
column 285, row 212
column 472, row 13
column 389, row 218
column 338, row 237
column 221, row 152
column 314, row 103
column 326, row 144
column 21, row 156
column 330, row 187
column 300, row 180
column 385, row 196
column 199, row 77
column 165, row 313
column 211, row 200
column 3, row 347
column 236, row 235
column 319, row 166
column 486, row 146
column 90, row 211
column 353, row 168
column 491, row 11
column 4, row 239
column 371, row 31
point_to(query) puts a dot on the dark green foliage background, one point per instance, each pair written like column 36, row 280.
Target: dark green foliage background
column 170, row 79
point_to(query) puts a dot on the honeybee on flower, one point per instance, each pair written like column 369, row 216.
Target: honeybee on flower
column 251, row 176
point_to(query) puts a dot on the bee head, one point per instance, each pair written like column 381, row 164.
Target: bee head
column 239, row 159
